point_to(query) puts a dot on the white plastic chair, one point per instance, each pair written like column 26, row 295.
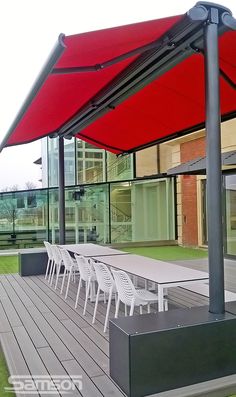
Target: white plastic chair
column 106, row 284
column 50, row 258
column 69, row 268
column 130, row 296
column 58, row 262
column 87, row 274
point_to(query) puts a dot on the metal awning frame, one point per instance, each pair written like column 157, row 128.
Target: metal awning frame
column 198, row 31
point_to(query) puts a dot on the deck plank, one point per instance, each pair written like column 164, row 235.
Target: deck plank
column 55, row 367
column 4, row 323
column 89, row 389
column 35, row 334
column 107, row 387
column 79, row 352
column 41, row 331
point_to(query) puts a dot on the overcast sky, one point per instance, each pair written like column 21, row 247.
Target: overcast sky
column 29, row 30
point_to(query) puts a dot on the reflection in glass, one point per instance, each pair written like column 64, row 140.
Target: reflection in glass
column 90, row 163
column 119, row 168
column 142, row 211
column 69, row 156
column 230, row 187
column 23, row 219
column 97, row 213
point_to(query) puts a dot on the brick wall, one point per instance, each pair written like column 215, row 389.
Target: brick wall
column 189, row 151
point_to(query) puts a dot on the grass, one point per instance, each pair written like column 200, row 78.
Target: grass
column 9, row 264
column 168, row 253
column 4, row 374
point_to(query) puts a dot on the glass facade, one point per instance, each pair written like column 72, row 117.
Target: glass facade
column 119, row 212
column 23, row 218
column 119, row 168
column 52, row 162
column 84, row 163
column 142, row 211
column 90, row 163
column 230, row 213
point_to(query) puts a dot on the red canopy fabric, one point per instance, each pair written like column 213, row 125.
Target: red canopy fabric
column 172, row 103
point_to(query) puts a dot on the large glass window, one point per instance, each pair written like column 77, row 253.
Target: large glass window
column 69, row 158
column 90, row 163
column 99, row 213
column 230, row 209
column 23, row 218
column 142, row 211
column 119, row 168
column 86, row 214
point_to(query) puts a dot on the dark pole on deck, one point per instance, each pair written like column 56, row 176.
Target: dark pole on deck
column 61, row 190
column 214, row 174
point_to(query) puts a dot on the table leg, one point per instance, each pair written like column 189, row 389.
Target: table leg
column 160, row 298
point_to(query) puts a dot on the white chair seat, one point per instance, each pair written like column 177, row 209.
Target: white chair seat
column 131, row 296
column 146, row 295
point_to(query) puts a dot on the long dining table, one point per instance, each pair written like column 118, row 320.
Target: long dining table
column 92, row 250
column 164, row 274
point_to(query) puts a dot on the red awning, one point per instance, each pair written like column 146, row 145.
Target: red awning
column 127, row 87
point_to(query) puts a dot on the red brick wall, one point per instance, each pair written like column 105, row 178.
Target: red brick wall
column 189, row 151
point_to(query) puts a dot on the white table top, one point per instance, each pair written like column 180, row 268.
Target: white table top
column 154, row 270
column 92, row 250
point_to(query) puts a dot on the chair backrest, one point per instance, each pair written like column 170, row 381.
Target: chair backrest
column 56, row 253
column 125, row 287
column 85, row 268
column 104, row 277
column 67, row 259
column 48, row 249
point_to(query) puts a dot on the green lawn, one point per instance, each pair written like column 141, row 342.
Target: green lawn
column 4, row 374
column 8, row 264
column 168, row 253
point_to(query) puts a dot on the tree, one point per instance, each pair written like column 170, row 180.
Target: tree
column 8, row 210
column 30, row 185
column 12, row 188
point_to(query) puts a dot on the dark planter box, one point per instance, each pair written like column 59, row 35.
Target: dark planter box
column 32, row 261
column 159, row 352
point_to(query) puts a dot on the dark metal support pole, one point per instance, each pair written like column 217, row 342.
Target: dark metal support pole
column 61, row 190
column 214, row 175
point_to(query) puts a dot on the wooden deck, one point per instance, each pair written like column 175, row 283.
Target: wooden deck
column 42, row 334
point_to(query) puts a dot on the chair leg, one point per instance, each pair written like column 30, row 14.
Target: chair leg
column 63, row 280
column 92, row 291
column 68, row 283
column 117, row 307
column 78, row 291
column 108, row 310
column 96, row 305
column 51, row 272
column 47, row 269
column 58, row 273
column 86, row 297
column 141, row 309
column 131, row 309
column 148, row 307
column 125, row 310
column 165, row 304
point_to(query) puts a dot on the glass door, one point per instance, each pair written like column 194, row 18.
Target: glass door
column 230, row 212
